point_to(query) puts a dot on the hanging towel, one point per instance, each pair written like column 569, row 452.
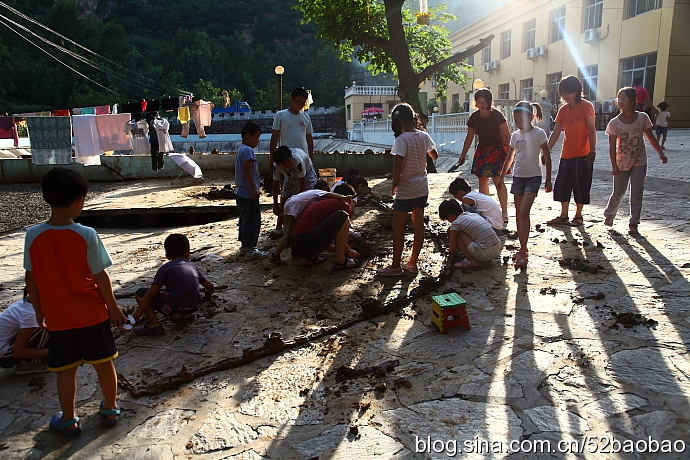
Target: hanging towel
column 76, row 111
column 88, row 111
column 161, row 125
column 115, row 108
column 205, row 108
column 86, row 138
column 110, row 131
column 40, row 157
column 61, row 113
column 44, row 114
column 137, row 131
column 8, row 130
column 50, row 133
column 94, row 160
column 102, row 110
column 144, row 104
column 183, row 115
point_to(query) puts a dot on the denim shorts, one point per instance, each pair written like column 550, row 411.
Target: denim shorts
column 525, row 184
column 408, row 205
column 661, row 130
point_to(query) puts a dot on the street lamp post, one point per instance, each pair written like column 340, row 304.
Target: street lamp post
column 279, row 70
column 476, row 84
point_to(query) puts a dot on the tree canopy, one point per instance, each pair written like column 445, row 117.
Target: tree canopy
column 388, row 38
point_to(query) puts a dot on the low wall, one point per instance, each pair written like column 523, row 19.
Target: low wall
column 120, row 167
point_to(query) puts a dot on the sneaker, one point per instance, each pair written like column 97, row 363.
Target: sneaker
column 255, row 254
column 27, row 367
column 276, row 234
column 608, row 221
column 390, row 271
column 632, row 230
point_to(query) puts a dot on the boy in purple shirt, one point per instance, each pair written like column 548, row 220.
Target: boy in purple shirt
column 181, row 279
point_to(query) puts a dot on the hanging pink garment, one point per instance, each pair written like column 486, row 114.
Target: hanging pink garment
column 112, row 136
column 8, row 130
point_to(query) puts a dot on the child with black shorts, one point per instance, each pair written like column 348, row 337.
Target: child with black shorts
column 71, row 293
column 181, row 279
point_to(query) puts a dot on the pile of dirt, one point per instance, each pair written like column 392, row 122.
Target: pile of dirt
column 344, row 373
column 215, row 193
column 629, row 320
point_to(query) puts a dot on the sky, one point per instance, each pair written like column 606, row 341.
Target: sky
column 467, row 11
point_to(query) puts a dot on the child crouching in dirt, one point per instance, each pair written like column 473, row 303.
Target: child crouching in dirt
column 181, row 279
column 471, row 234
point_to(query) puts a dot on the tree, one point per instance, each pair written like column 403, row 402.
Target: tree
column 381, row 33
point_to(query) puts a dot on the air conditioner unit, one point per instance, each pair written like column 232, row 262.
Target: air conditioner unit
column 541, row 50
column 495, row 65
column 591, row 35
column 487, row 67
column 531, row 53
column 607, row 106
column 433, row 83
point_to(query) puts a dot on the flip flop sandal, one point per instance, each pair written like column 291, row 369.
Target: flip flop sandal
column 465, row 265
column 57, row 426
column 558, row 221
column 520, row 260
column 577, row 221
column 314, row 261
column 105, row 421
column 348, row 263
column 411, row 269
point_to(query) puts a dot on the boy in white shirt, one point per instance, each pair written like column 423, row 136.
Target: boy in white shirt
column 477, row 202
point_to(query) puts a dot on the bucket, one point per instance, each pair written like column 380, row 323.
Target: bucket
column 328, row 174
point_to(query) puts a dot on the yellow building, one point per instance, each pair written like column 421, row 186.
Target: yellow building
column 606, row 43
column 362, row 101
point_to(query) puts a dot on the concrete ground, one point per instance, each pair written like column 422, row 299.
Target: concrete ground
column 550, row 362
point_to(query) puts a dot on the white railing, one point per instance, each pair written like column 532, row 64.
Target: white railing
column 371, row 90
column 447, row 131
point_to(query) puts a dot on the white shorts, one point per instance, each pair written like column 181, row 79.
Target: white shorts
column 484, row 254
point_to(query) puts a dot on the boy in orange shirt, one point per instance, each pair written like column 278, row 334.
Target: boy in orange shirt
column 70, row 290
column 576, row 167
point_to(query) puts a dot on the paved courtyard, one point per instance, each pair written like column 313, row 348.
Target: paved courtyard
column 585, row 351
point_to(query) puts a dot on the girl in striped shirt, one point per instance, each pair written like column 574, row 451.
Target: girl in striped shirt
column 410, row 186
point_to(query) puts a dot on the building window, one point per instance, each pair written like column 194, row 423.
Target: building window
column 637, row 7
column 470, row 60
column 593, row 10
column 505, row 44
column 486, row 56
column 504, row 91
column 456, row 107
column 526, row 89
column 349, row 112
column 589, row 76
column 640, row 66
column 557, row 24
column 529, row 29
column 552, row 81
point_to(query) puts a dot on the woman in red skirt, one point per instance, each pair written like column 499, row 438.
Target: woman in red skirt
column 492, row 151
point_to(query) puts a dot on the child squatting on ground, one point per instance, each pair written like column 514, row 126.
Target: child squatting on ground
column 181, row 279
column 410, row 186
column 525, row 146
column 477, row 202
column 22, row 342
column 471, row 234
column 247, row 183
column 628, row 157
column 71, row 293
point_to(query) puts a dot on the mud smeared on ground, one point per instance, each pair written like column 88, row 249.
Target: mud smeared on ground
column 628, row 320
column 216, row 193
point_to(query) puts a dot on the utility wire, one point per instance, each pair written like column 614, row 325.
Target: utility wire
column 66, row 65
column 30, row 19
column 82, row 58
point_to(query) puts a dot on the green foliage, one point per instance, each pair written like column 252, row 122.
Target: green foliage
column 158, row 48
column 363, row 33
